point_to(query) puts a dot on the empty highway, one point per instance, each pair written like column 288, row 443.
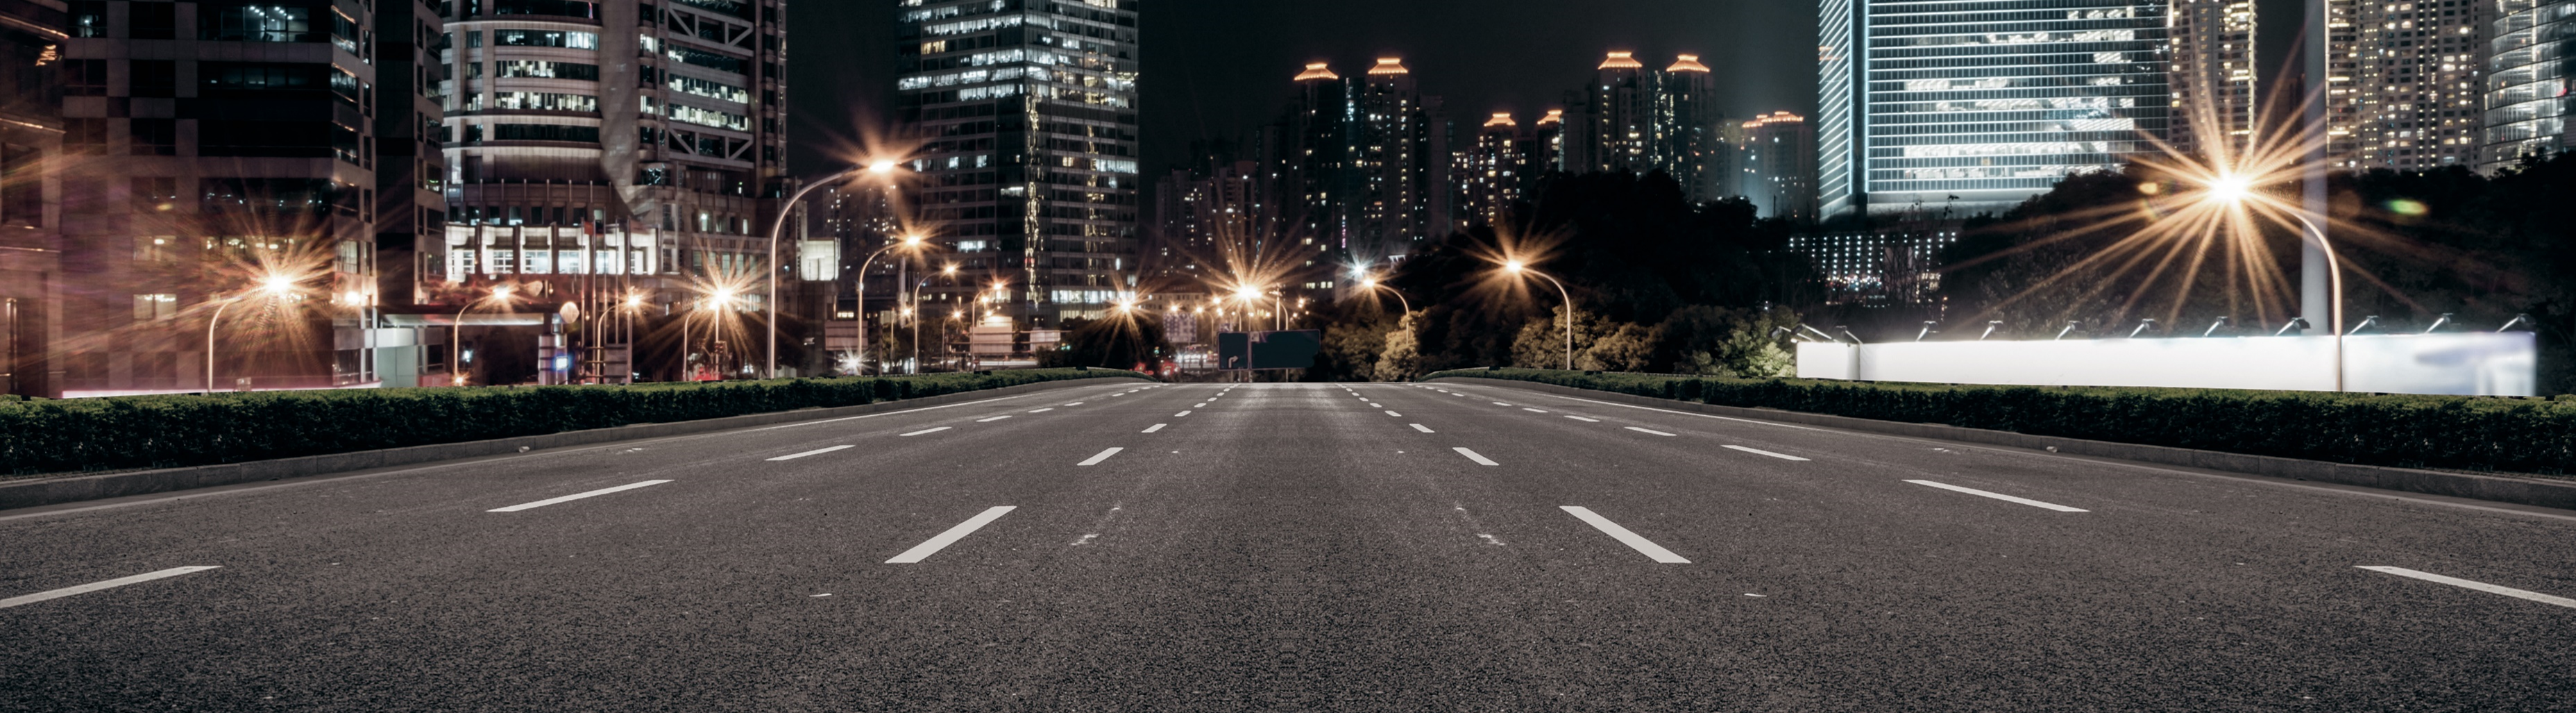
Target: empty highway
column 1125, row 546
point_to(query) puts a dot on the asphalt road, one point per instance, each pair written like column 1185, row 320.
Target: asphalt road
column 1289, row 547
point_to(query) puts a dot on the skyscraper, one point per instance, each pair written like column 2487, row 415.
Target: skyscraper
column 1400, row 153
column 1778, row 157
column 2531, row 72
column 1031, row 178
column 1631, row 118
column 2416, row 83
column 1976, row 105
column 2213, row 75
column 1490, row 170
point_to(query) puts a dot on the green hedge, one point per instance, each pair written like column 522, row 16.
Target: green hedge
column 2475, row 433
column 167, row 431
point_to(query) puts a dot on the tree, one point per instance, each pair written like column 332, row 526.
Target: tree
column 1401, row 358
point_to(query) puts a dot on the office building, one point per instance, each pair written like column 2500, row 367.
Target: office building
column 1977, row 105
column 1031, row 177
column 2531, row 65
column 32, row 33
column 2212, row 76
column 1777, row 160
column 208, row 143
column 2416, row 79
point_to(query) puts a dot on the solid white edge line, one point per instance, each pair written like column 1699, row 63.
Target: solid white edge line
column 1666, row 410
column 926, row 431
column 1423, row 428
column 1104, row 455
column 1758, row 451
column 815, row 452
column 1648, row 430
column 96, row 586
column 2429, row 577
column 1631, row 539
column 1156, row 427
column 577, row 496
column 1998, row 496
column 990, row 420
column 1474, row 456
column 1585, row 420
column 943, row 540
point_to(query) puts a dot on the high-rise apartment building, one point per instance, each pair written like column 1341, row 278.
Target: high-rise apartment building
column 1491, row 170
column 2416, row 77
column 1363, row 163
column 1778, row 166
column 2212, row 76
column 203, row 138
column 1631, row 118
column 1976, row 105
column 2531, row 82
column 32, row 33
column 1031, row 175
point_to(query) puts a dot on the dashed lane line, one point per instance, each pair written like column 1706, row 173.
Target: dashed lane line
column 1474, row 456
column 1178, row 415
column 1758, row 451
column 926, row 431
column 1397, row 415
column 990, row 420
column 577, row 496
column 1631, row 539
column 1423, row 428
column 2426, row 576
column 815, row 452
column 1997, row 496
column 943, row 540
column 1104, row 455
column 1156, row 427
column 1648, row 430
column 1585, row 420
column 96, row 586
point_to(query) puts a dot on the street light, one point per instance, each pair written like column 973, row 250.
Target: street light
column 911, row 241
column 2234, row 191
column 1373, row 284
column 456, row 333
column 780, row 225
column 1515, row 267
column 913, row 313
column 722, row 297
column 274, row 286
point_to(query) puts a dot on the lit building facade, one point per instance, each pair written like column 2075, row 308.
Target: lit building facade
column 2531, row 82
column 1777, row 157
column 1979, row 104
column 2416, row 83
column 1898, row 265
column 1633, row 118
column 2213, row 76
column 1031, row 177
column 32, row 33
column 1490, row 171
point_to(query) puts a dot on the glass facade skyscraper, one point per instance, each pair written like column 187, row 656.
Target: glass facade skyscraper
column 1978, row 104
column 1030, row 176
column 2533, row 70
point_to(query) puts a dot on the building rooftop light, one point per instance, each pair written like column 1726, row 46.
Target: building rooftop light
column 1389, row 65
column 1317, row 70
column 1687, row 63
column 1621, row 60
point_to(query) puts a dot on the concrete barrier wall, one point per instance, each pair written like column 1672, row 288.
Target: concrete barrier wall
column 2474, row 364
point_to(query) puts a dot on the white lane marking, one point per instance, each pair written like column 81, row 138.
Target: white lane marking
column 990, row 420
column 1156, row 427
column 1585, row 420
column 1202, row 404
column 576, row 496
column 1397, row 415
column 1077, row 403
column 934, row 545
column 1423, row 428
column 2426, row 576
column 95, row 586
column 1687, row 413
column 1178, row 415
column 927, row 431
column 815, row 452
column 897, row 413
column 1472, row 455
column 1758, row 451
column 1499, row 403
column 1648, row 430
column 1998, row 496
column 1376, row 405
column 1104, row 455
column 1043, row 410
column 1533, row 410
column 1622, row 534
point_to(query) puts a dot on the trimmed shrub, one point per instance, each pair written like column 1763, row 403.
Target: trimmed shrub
column 168, row 431
column 2466, row 432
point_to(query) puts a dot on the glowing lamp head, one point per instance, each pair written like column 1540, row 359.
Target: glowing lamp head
column 501, row 294
column 724, row 295
column 1248, row 293
column 949, row 270
column 1369, row 282
column 633, row 301
column 912, row 240
column 277, row 285
column 882, row 167
column 1514, row 267
column 2230, row 188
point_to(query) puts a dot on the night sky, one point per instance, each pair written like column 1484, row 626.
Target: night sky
column 1213, row 68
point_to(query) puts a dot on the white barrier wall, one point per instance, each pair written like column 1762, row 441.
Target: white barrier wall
column 2458, row 364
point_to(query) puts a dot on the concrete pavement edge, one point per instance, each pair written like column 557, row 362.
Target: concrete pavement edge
column 70, row 489
column 2520, row 491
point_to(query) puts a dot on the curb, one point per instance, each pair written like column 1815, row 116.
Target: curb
column 2518, row 491
column 56, row 491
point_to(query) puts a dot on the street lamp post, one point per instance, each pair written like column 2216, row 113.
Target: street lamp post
column 456, row 335
column 911, row 241
column 914, row 314
column 1373, row 284
column 1515, row 267
column 779, row 225
column 274, row 286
